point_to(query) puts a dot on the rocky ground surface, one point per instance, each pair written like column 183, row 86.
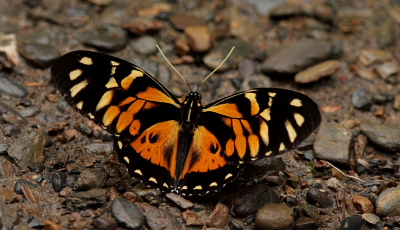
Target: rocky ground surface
column 58, row 170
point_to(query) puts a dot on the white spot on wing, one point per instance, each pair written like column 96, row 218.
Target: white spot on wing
column 282, row 147
column 213, row 184
column 292, row 133
column 229, row 175
column 184, row 187
column 137, row 171
column 86, row 61
column 74, row 74
column 90, row 116
column 105, row 100
column 152, row 179
column 120, row 145
column 268, row 153
column 264, row 133
column 79, row 105
column 112, row 83
column 299, row 119
column 296, row 102
column 165, row 185
column 128, row 161
column 266, row 114
column 78, row 87
column 114, row 63
column 271, row 94
column 198, row 187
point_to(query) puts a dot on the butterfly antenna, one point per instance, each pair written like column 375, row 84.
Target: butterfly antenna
column 209, row 75
column 180, row 75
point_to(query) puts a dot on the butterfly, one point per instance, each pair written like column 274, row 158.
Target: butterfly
column 182, row 147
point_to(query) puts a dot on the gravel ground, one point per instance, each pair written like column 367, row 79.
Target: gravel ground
column 58, row 170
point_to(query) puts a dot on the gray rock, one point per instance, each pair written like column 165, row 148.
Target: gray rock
column 29, row 112
column 158, row 218
column 108, row 38
column 361, row 99
column 316, row 72
column 28, row 149
column 127, row 214
column 91, row 178
column 297, row 56
column 94, row 148
column 386, row 137
column 351, row 223
column 318, row 198
column 334, row 143
column 12, row 88
column 274, row 216
column 179, row 200
column 40, row 55
column 3, row 148
column 144, row 45
column 86, row 199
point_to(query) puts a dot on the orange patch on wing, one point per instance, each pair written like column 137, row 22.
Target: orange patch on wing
column 154, row 142
column 127, row 81
column 124, row 120
column 206, row 160
column 150, row 105
column 226, row 109
column 135, row 107
column 135, row 127
column 246, row 125
column 240, row 139
column 229, row 147
column 127, row 101
column 153, row 94
column 110, row 115
column 254, row 145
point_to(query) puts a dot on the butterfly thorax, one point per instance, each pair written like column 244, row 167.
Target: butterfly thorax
column 191, row 109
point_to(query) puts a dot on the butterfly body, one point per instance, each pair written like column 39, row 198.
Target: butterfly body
column 181, row 147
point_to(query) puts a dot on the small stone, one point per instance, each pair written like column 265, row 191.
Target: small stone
column 28, row 149
column 91, row 178
column 144, row 45
column 101, row 2
column 306, row 223
column 388, row 202
column 334, row 143
column 6, row 167
column 12, row 88
column 297, row 56
column 58, row 180
column 274, row 217
column 8, row 217
column 105, row 223
column 219, row 52
column 316, row 72
column 86, row 199
column 386, row 137
column 387, row 69
column 11, row 130
column 366, row 74
column 369, row 57
column 106, row 37
column 351, row 223
column 335, row 184
column 396, row 103
column 191, row 218
column 35, row 223
column 150, row 195
column 8, row 45
column 363, row 204
column 3, row 148
column 370, row 218
column 127, row 214
column 29, row 112
column 180, row 22
column 49, row 225
column 286, row 10
column 96, row 148
column 256, row 81
column 182, row 47
column 219, row 218
column 318, row 198
column 40, row 55
column 141, row 26
column 179, row 200
column 361, row 99
column 199, row 37
column 159, row 219
column 8, row 196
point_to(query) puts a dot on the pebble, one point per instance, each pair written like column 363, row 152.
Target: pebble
column 335, row 184
column 105, row 223
column 274, row 217
column 363, row 204
column 40, row 55
column 35, row 223
column 10, row 87
column 306, row 223
column 318, row 198
column 218, row 53
column 334, row 143
column 58, row 180
column 369, row 57
column 371, row 218
column 8, row 217
column 234, row 225
column 351, row 223
column 29, row 112
column 8, row 196
column 297, row 56
column 181, row 21
column 179, row 200
column 317, row 72
column 219, row 217
column 3, row 148
column 151, row 195
column 158, row 218
column 256, row 81
column 199, row 38
column 28, row 149
column 286, row 10
column 106, row 37
column 86, row 199
column 6, row 167
column 387, row 69
column 388, row 202
column 127, row 214
column 11, row 130
column 96, row 148
column 50, row 225
column 396, row 103
column 8, row 45
column 251, row 198
column 361, row 99
column 386, row 137
column 145, row 45
column 91, row 178
column 142, row 26
column 366, row 74
column 191, row 218
column 101, row 2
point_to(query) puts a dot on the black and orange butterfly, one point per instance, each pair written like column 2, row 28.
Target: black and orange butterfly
column 181, row 147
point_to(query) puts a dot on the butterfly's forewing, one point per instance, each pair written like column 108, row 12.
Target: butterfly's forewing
column 129, row 103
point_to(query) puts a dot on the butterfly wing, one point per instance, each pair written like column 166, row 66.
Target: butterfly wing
column 245, row 127
column 129, row 103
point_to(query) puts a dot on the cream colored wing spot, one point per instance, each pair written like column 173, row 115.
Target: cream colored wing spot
column 86, row 61
column 105, row 100
column 271, row 94
column 296, row 102
column 229, row 175
column 152, row 179
column 120, row 145
column 198, row 187
column 79, row 105
column 78, row 87
column 299, row 119
column 90, row 116
column 264, row 133
column 113, row 69
column 74, row 74
column 114, row 63
column 112, row 83
column 184, row 187
column 127, row 160
column 213, row 184
column 137, row 171
column 270, row 102
column 127, row 81
column 282, row 147
column 255, row 108
column 268, row 153
column 292, row 133
column 266, row 114
column 165, row 185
